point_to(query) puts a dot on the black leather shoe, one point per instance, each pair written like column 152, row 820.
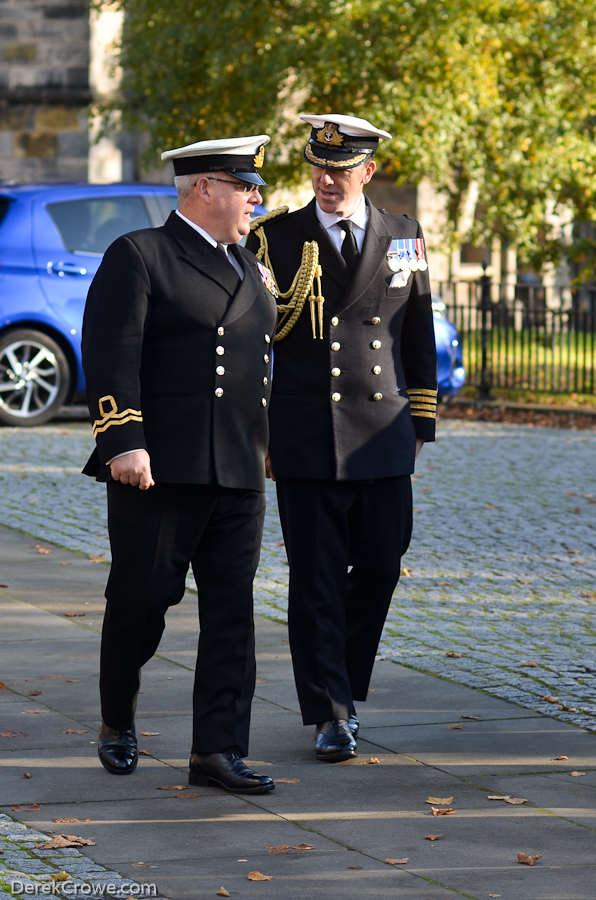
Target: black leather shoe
column 226, row 770
column 353, row 724
column 334, row 741
column 117, row 750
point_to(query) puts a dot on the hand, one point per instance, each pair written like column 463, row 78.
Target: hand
column 133, row 468
column 268, row 469
column 419, row 446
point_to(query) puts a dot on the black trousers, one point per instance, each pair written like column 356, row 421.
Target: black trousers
column 154, row 536
column 335, row 618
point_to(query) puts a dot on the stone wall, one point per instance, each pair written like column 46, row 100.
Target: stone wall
column 44, row 90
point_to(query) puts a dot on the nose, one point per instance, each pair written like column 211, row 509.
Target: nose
column 326, row 177
column 258, row 199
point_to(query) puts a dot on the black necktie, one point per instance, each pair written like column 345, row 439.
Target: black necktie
column 349, row 247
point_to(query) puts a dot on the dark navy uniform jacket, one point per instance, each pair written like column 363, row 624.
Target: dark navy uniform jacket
column 176, row 353
column 350, row 406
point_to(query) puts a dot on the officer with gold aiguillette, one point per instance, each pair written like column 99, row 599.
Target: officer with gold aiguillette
column 354, row 398
column 176, row 351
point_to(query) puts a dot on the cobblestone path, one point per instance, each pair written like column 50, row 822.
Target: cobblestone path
column 502, row 566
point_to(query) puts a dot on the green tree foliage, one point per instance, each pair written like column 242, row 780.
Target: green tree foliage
column 500, row 93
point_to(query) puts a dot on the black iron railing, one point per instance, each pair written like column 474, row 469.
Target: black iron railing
column 525, row 336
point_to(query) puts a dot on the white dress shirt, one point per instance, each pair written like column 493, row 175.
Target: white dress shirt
column 329, row 221
column 210, row 240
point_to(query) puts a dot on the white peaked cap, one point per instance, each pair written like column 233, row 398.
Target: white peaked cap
column 349, row 125
column 240, row 146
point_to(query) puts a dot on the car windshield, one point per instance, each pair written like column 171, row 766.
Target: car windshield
column 91, row 225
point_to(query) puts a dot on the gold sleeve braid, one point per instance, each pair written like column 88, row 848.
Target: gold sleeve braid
column 423, row 402
column 301, row 288
column 111, row 416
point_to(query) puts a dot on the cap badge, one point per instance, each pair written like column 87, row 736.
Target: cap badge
column 330, row 135
column 260, row 158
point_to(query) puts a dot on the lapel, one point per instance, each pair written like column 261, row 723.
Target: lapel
column 248, row 288
column 332, row 262
column 194, row 249
column 374, row 251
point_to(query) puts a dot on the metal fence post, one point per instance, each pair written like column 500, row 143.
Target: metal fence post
column 485, row 308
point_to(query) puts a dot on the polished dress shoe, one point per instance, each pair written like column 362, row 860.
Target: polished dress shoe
column 334, row 742
column 117, row 750
column 226, row 770
column 354, row 724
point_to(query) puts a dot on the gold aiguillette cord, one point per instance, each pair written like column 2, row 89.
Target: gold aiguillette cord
column 319, row 300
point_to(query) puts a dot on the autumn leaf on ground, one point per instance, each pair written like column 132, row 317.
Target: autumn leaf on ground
column 397, row 862
column 65, row 840
column 457, row 727
column 532, row 664
column 3, row 585
column 43, row 550
column 286, row 781
column 576, row 510
column 406, row 572
column 138, row 864
column 433, row 837
column 577, row 774
column 31, row 807
column 498, row 796
column 60, row 876
column 550, row 699
column 144, row 752
column 74, row 615
column 476, row 718
column 34, row 712
column 2, row 686
column 354, row 867
column 589, row 594
column 76, row 731
column 186, row 796
column 515, row 801
column 279, row 848
column 13, row 734
column 303, row 847
column 370, row 691
column 222, row 892
column 76, row 681
column 260, row 681
column 565, row 708
column 26, row 774
column 34, row 693
column 97, row 557
column 560, row 757
column 442, row 812
column 150, row 733
column 453, row 654
column 373, row 761
column 444, row 584
column 528, row 860
column 65, row 821
column 258, row 876
column 172, row 787
column 438, row 802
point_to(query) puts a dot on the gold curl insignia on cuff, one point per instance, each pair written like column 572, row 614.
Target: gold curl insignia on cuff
column 112, row 416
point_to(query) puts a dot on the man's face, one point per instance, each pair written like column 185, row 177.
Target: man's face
column 338, row 190
column 231, row 204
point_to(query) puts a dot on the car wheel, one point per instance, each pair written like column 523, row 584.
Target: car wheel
column 34, row 378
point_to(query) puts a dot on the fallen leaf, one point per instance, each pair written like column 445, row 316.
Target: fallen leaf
column 258, row 876
column 280, row 544
column 397, row 862
column 476, row 718
column 442, row 812
column 279, row 848
column 567, row 708
column 26, row 774
column 576, row 510
column 144, row 752
column 186, row 796
column 65, row 840
column 571, row 494
column 2, row 686
column 74, row 615
column 74, row 681
column 589, row 594
column 3, row 585
column 60, row 876
column 560, row 757
column 172, row 787
column 76, row 731
column 577, row 774
column 407, row 571
column 64, row 563
column 550, row 699
column 528, row 860
column 432, row 837
column 303, row 847
column 498, row 796
column 286, row 781
column 495, row 895
column 444, row 584
column 222, row 892
column 457, row 727
column 373, row 761
column 31, row 807
column 260, row 681
column 490, row 506
column 436, row 801
column 34, row 693
column 529, row 665
column 13, row 734
column 43, row 550
column 578, row 562
column 453, row 654
column 354, row 867
column 97, row 557
column 34, row 712
column 515, row 801
column 370, row 691
column 573, row 551
column 150, row 733
column 65, row 821
column 138, row 864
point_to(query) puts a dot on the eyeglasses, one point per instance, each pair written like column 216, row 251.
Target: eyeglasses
column 243, row 187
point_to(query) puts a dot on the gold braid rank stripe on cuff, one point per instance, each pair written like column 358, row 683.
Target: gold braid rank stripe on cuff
column 113, row 417
column 423, row 402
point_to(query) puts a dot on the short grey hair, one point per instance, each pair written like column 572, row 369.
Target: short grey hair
column 185, row 185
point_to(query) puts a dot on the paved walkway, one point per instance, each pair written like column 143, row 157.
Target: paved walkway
column 502, row 567
column 188, row 843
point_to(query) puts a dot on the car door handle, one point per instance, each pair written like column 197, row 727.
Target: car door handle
column 65, row 268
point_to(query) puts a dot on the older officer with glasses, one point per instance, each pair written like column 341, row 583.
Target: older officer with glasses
column 176, row 352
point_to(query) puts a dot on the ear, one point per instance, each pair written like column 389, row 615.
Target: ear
column 369, row 171
column 203, row 189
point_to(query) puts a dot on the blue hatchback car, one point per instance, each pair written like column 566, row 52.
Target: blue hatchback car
column 52, row 239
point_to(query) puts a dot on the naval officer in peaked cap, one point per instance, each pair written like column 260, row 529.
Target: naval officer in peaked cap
column 176, row 352
column 354, row 398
